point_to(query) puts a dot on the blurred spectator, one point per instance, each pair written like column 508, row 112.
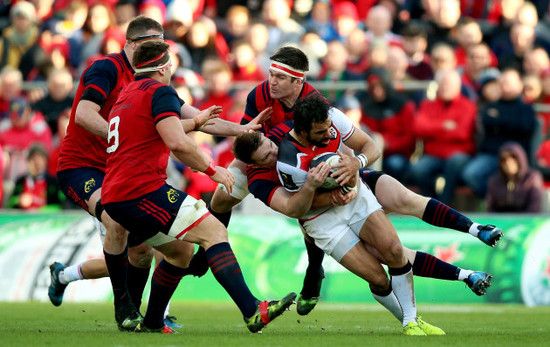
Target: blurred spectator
column 468, row 34
column 237, row 21
column 282, row 29
column 218, row 78
column 522, row 38
column 446, row 127
column 344, row 19
column 11, row 86
column 58, row 99
column 20, row 35
column 200, row 41
column 334, row 68
column 245, row 66
column 315, row 48
column 258, row 36
column 545, row 99
column 509, row 119
column 442, row 57
column 178, row 20
column 155, row 9
column 379, row 24
column 320, row 22
column 489, row 88
column 516, row 187
column 397, row 65
column 36, row 189
column 477, row 61
column 44, row 13
column 377, row 54
column 357, row 47
column 51, row 51
column 486, row 10
column 532, row 89
column 446, row 16
column 88, row 42
column 415, row 43
column 389, row 115
column 125, row 11
column 536, row 61
column 72, row 28
column 24, row 128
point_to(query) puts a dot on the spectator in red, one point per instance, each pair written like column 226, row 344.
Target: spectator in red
column 52, row 51
column 11, row 86
column 155, row 9
column 415, row 43
column 178, row 20
column 36, row 189
column 24, row 128
column 532, row 88
column 237, row 22
column 487, row 10
column 389, row 115
column 516, row 187
column 200, row 40
column 446, row 127
column 245, row 65
column 468, row 34
column 344, row 19
column 125, row 11
column 357, row 47
column 218, row 77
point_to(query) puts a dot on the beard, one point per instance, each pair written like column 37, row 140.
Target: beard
column 317, row 143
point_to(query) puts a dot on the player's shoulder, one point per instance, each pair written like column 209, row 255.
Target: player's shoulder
column 277, row 133
column 261, row 94
column 288, row 151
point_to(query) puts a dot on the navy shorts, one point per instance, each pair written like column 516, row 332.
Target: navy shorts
column 145, row 216
column 79, row 184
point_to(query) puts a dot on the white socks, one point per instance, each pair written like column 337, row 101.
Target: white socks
column 70, row 274
column 463, row 274
column 403, row 287
column 391, row 303
column 473, row 229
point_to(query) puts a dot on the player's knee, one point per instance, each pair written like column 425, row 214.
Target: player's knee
column 394, row 252
column 141, row 256
column 179, row 254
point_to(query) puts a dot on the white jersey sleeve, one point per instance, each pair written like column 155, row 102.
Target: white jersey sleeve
column 341, row 122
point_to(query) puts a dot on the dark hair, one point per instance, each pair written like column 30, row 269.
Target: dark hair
column 245, row 145
column 413, row 30
column 148, row 51
column 140, row 25
column 292, row 57
column 37, row 149
column 309, row 110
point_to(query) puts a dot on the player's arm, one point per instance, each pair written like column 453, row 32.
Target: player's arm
column 98, row 82
column 166, row 113
column 219, row 126
column 368, row 151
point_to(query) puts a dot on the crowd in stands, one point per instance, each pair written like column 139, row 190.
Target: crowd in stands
column 484, row 66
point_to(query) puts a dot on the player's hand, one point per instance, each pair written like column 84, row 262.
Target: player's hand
column 316, row 176
column 256, row 123
column 224, row 177
column 205, row 116
column 338, row 198
column 348, row 168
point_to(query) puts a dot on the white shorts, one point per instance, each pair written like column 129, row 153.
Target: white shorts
column 190, row 214
column 240, row 188
column 331, row 229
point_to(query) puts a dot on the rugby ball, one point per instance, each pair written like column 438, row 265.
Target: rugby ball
column 331, row 159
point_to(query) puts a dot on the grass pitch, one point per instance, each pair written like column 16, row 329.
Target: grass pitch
column 92, row 324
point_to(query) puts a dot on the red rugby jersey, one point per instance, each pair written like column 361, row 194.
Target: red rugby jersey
column 101, row 83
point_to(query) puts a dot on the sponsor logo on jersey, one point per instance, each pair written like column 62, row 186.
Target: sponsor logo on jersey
column 333, row 133
column 173, row 195
column 89, row 185
column 287, row 181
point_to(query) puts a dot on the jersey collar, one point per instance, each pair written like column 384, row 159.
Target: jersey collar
column 126, row 61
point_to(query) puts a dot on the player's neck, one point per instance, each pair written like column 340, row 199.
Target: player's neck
column 290, row 100
column 302, row 140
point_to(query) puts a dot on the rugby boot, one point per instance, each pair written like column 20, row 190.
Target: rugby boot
column 268, row 311
column 56, row 288
column 489, row 234
column 428, row 328
column 412, row 329
column 141, row 328
column 478, row 282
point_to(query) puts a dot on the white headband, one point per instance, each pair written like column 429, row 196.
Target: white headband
column 153, row 68
column 287, row 70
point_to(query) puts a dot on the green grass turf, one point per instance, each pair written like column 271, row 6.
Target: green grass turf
column 92, row 324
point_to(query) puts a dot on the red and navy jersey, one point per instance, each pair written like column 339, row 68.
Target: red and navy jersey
column 138, row 156
column 262, row 182
column 100, row 83
column 259, row 99
column 294, row 159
